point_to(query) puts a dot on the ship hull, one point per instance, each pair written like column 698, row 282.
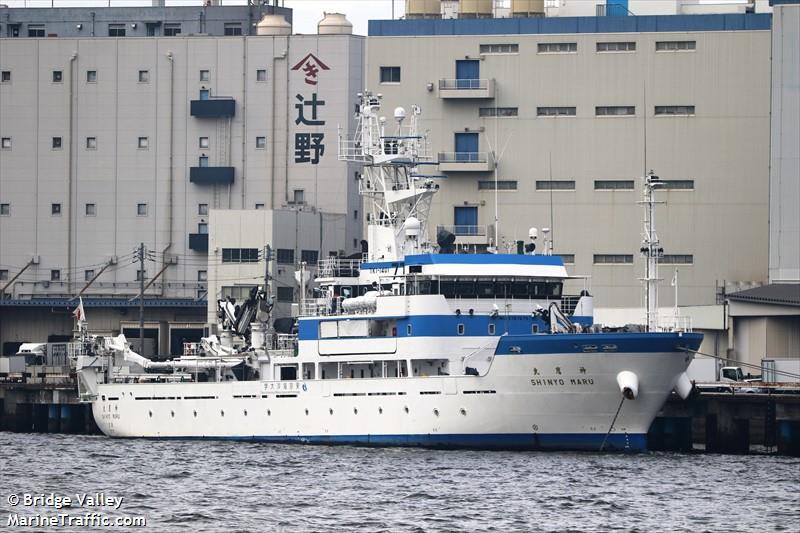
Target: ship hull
column 525, row 401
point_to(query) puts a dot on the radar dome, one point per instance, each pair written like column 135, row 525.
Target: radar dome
column 412, row 226
column 399, row 114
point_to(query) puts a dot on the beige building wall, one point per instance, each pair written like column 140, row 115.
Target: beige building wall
column 723, row 147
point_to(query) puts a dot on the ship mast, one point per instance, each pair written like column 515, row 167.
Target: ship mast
column 651, row 250
column 399, row 198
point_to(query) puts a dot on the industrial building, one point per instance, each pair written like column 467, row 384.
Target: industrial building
column 111, row 142
column 543, row 114
column 557, row 120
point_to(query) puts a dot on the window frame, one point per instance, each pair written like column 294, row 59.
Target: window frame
column 545, row 111
column 609, row 50
column 261, row 75
column 91, row 143
column 90, row 209
column 603, row 259
column 261, row 142
column 143, row 143
column 544, row 48
column 55, row 209
column 390, row 70
column 144, row 76
column 141, row 209
column 540, row 185
column 5, row 76
column 57, row 76
column 91, row 76
column 56, row 143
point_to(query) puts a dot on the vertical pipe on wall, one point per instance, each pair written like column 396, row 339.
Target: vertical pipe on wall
column 70, row 173
column 170, row 194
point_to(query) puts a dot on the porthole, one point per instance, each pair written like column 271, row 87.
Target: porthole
column 194, row 413
column 306, row 412
column 491, row 329
column 330, row 410
column 150, row 413
column 172, row 414
column 435, row 411
column 463, row 411
column 460, row 329
column 406, row 408
column 355, row 410
column 221, row 413
column 269, row 413
column 245, row 412
column 380, row 410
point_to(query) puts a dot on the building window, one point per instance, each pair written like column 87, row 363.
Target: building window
column 309, row 257
column 141, row 210
column 144, row 76
column 91, row 143
column 614, row 110
column 260, row 206
column 261, row 75
column 56, row 143
column 55, row 209
column 676, row 259
column 613, row 185
column 143, row 143
column 203, row 75
column 116, row 30
column 205, row 94
column 675, row 46
column 299, row 196
column 629, row 46
column 3, row 275
column 5, row 143
column 203, row 142
column 510, row 48
column 502, row 185
column 55, row 275
column 240, row 255
column 555, row 185
column 613, row 259
column 460, row 329
column 569, row 259
column 58, row 76
column 5, row 209
column 35, row 30
column 202, row 161
column 5, row 76
column 676, row 110
column 202, row 209
column 557, row 48
column 261, row 143
column 498, row 112
column 238, row 293
column 355, row 214
column 172, row 29
column 390, row 74
column 555, row 111
column 677, row 184
column 141, row 275
column 202, row 275
column 285, row 294
column 91, row 210
column 88, row 275
column 233, row 28
column 285, row 256
column 91, row 76
column 491, row 329
column 202, row 228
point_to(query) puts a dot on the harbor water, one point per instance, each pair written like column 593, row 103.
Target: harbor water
column 236, row 486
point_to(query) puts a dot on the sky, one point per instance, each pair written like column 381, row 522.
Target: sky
column 307, row 13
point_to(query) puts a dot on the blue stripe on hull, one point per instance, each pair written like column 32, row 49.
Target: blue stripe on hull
column 490, row 441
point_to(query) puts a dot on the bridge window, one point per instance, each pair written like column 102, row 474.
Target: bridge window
column 460, row 329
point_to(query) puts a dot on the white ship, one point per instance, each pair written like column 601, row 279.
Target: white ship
column 413, row 345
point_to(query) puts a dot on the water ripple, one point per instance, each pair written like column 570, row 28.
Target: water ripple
column 229, row 487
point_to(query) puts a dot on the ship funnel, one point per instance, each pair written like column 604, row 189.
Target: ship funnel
column 683, row 385
column 628, row 384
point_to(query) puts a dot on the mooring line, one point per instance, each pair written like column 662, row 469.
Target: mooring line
column 612, row 423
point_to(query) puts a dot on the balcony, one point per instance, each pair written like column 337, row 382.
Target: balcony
column 470, row 234
column 213, row 108
column 466, row 161
column 466, row 89
column 211, row 175
column 198, row 242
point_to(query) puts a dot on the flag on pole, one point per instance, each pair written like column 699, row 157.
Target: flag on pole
column 78, row 313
